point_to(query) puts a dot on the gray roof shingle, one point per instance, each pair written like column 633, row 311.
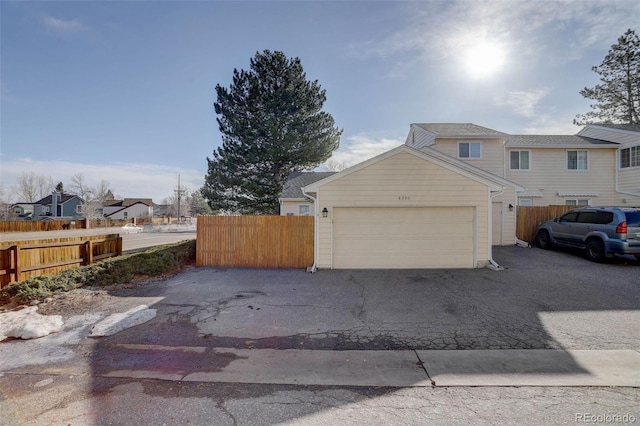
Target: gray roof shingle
column 460, row 130
column 556, row 141
column 297, row 180
column 627, row 127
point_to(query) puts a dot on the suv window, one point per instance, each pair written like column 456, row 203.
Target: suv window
column 587, row 217
column 633, row 218
column 569, row 217
column 603, row 218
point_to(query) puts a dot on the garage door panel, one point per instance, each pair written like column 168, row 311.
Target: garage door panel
column 430, row 237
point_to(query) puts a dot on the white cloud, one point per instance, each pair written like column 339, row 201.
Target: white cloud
column 358, row 149
column 551, row 125
column 127, row 180
column 522, row 102
column 440, row 31
column 62, row 26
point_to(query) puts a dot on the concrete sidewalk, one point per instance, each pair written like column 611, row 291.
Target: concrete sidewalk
column 405, row 368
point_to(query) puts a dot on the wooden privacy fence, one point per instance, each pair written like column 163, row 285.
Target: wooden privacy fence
column 255, row 241
column 20, row 260
column 529, row 217
column 62, row 224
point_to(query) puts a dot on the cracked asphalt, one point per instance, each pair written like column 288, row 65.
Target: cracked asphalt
column 542, row 300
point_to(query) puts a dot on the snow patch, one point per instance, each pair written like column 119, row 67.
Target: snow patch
column 121, row 321
column 28, row 324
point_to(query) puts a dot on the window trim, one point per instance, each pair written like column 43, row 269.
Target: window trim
column 577, row 200
column 308, row 206
column 631, row 157
column 577, row 169
column 520, row 151
column 479, row 143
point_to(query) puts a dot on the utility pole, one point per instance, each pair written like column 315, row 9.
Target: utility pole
column 179, row 193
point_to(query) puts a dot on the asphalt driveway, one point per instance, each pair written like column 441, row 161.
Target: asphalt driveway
column 542, row 300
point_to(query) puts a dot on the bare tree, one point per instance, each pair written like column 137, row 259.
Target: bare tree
column 336, row 166
column 80, row 187
column 102, row 192
column 30, row 187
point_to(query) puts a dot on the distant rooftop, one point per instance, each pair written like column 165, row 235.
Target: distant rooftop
column 297, row 180
column 453, row 130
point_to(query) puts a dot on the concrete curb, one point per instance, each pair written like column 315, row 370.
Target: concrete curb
column 618, row 368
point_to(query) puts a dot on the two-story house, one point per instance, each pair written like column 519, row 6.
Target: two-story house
column 598, row 166
column 58, row 205
column 446, row 196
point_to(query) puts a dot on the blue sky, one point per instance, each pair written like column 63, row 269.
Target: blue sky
column 124, row 91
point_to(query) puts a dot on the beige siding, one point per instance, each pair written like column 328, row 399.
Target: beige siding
column 403, row 180
column 548, row 174
column 508, row 217
column 292, row 208
column 629, row 180
column 492, row 153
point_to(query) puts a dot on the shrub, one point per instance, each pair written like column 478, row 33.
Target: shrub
column 153, row 262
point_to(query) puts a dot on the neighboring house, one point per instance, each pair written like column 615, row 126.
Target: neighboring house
column 22, row 210
column 627, row 169
column 292, row 201
column 598, row 166
column 58, row 205
column 412, row 208
column 129, row 208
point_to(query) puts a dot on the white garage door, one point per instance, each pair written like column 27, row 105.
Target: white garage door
column 428, row 237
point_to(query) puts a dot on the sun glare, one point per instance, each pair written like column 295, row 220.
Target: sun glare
column 484, row 60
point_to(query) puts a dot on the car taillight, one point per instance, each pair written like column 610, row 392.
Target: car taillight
column 622, row 228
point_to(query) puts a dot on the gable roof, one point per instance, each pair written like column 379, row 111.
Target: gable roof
column 128, row 202
column 297, row 180
column 46, row 201
column 125, row 208
column 557, row 141
column 460, row 130
column 626, row 127
column 429, row 154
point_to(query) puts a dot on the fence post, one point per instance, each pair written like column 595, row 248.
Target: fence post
column 88, row 252
column 16, row 265
column 119, row 244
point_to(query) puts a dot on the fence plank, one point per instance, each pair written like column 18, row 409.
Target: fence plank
column 529, row 217
column 20, row 260
column 255, row 241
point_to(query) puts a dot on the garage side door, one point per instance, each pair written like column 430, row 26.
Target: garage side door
column 397, row 238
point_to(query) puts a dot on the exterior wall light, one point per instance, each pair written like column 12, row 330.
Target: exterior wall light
column 510, row 207
column 325, row 212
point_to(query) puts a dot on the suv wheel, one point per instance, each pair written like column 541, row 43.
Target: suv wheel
column 595, row 251
column 543, row 240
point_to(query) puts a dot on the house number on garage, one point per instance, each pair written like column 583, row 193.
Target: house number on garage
column 404, row 197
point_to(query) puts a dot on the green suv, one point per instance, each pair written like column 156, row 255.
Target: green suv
column 600, row 231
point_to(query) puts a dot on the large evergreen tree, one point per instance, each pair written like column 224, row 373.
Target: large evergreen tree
column 272, row 124
column 618, row 95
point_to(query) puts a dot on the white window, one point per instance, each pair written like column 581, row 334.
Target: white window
column 469, row 150
column 525, row 202
column 577, row 202
column 577, row 160
column 126, row 214
column 630, row 157
column 519, row 160
column 79, row 208
column 304, row 209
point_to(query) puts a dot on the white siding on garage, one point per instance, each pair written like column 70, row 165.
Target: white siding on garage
column 404, row 237
column 407, row 181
